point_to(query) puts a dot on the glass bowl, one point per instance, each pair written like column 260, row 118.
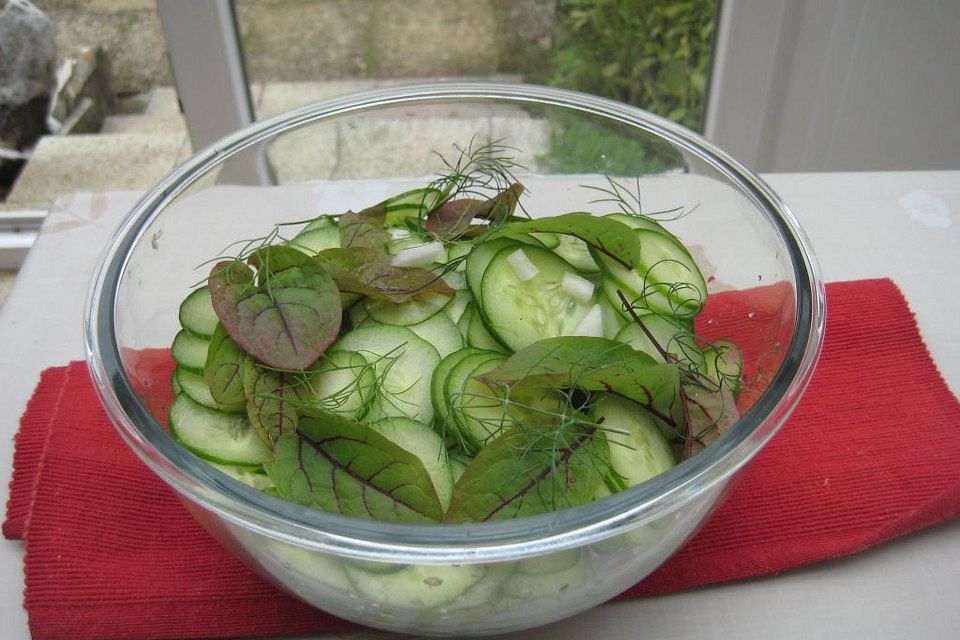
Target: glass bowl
column 351, row 152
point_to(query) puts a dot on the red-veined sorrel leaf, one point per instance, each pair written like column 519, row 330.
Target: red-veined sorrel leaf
column 340, row 465
column 368, row 271
column 526, row 471
column 273, row 398
column 223, row 369
column 287, row 318
column 592, row 364
column 605, row 235
column 453, row 218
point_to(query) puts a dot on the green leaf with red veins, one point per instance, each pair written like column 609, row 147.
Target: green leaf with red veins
column 344, row 466
column 273, row 398
column 452, row 219
column 368, row 271
column 364, row 228
column 286, row 320
column 527, row 471
column 592, row 364
column 223, row 371
column 609, row 237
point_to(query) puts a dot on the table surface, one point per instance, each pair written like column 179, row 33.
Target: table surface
column 862, row 225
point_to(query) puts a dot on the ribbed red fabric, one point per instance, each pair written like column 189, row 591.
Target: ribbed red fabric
column 871, row 453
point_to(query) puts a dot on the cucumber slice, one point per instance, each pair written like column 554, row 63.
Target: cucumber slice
column 672, row 336
column 638, row 450
column 254, row 477
column 342, row 382
column 197, row 314
column 525, row 308
column 456, row 280
column 666, row 280
column 723, row 364
column 413, row 311
column 411, row 205
column 313, row 241
column 190, row 351
column 577, row 253
column 441, row 332
column 458, row 250
column 478, row 335
column 474, row 410
column 423, row 442
column 457, row 305
column 639, row 222
column 416, row 587
column 438, row 381
column 320, row 222
column 483, row 253
column 194, row 387
column 214, row 436
column 403, row 364
column 534, row 579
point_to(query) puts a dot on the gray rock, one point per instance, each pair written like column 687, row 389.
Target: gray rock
column 26, row 72
column 84, row 96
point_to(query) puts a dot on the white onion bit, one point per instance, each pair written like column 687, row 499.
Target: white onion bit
column 419, row 255
column 522, row 266
column 580, row 289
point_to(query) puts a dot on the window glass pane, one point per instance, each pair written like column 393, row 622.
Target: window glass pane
column 651, row 53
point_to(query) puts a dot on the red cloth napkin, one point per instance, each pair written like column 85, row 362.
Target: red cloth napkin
column 871, row 453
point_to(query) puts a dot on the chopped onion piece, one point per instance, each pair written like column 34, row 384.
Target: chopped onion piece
column 522, row 266
column 591, row 325
column 580, row 289
column 419, row 255
column 398, row 233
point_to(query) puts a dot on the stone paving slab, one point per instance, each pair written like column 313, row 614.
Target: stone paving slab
column 99, row 162
column 154, row 123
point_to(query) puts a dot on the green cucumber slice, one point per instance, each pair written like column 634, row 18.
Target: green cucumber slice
column 197, row 314
column 413, row 311
column 423, row 442
column 193, row 386
column 474, row 411
column 313, row 241
column 403, row 364
column 190, row 351
column 523, row 311
column 638, row 450
column 441, row 332
column 342, row 382
column 416, row 587
column 666, row 280
column 226, row 438
column 438, row 381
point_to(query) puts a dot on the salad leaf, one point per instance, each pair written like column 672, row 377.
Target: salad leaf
column 592, row 364
column 609, row 237
column 223, row 369
column 365, row 228
column 272, row 400
column 340, row 465
column 368, row 271
column 453, row 218
column 525, row 472
column 287, row 318
column 709, row 413
column 411, row 206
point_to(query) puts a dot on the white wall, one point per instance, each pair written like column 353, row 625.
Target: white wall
column 835, row 85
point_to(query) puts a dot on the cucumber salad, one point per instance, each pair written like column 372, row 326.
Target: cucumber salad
column 448, row 356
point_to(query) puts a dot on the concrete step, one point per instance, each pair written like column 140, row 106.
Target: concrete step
column 153, row 123
column 96, row 162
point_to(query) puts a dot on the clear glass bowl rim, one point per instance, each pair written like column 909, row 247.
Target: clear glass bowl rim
column 475, row 542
